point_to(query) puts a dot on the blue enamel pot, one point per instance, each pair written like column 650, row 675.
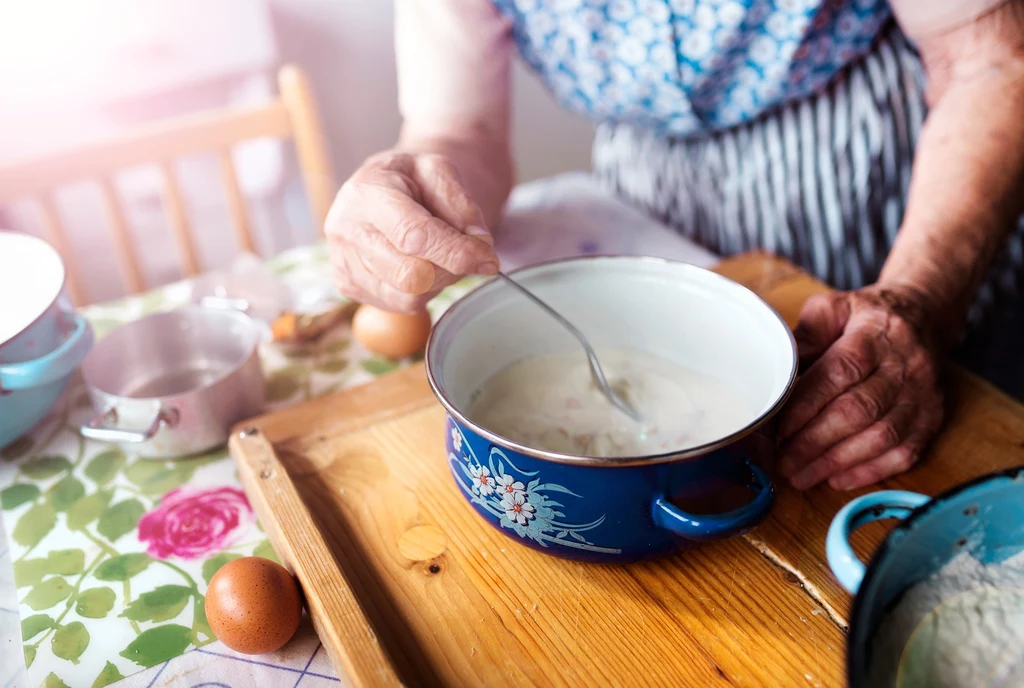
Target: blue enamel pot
column 42, row 340
column 984, row 517
column 622, row 509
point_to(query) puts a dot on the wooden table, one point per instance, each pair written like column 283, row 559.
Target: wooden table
column 762, row 609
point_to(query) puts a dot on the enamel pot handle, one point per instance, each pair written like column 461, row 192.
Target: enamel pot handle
column 704, row 527
column 844, row 562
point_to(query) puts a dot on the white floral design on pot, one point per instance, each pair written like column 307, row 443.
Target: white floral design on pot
column 497, row 488
column 517, row 508
column 483, row 483
column 508, row 485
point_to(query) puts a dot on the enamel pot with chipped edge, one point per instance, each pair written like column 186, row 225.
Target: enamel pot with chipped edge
column 984, row 516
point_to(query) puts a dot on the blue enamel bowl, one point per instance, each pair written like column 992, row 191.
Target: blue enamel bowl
column 42, row 340
column 625, row 508
column 984, row 517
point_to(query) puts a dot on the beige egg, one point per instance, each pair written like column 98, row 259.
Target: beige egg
column 392, row 335
column 253, row 605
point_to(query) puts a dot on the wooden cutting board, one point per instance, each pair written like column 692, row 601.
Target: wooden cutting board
column 407, row 585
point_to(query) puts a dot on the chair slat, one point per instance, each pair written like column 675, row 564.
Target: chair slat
column 310, row 142
column 174, row 205
column 55, row 234
column 236, row 202
column 187, row 135
column 293, row 116
column 126, row 255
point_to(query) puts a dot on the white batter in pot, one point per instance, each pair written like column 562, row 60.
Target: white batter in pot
column 550, row 402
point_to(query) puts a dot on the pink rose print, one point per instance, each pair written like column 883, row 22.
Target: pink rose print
column 191, row 523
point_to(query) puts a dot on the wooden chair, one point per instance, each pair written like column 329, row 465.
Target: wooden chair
column 292, row 116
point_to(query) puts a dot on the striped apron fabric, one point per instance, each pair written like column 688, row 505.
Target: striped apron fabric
column 821, row 181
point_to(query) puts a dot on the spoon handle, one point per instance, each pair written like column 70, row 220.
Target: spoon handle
column 595, row 366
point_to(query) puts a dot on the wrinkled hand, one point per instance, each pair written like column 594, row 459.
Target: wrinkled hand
column 403, row 228
column 870, row 401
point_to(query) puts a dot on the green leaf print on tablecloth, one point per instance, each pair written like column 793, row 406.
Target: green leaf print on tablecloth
column 48, row 593
column 87, row 509
column 70, row 641
column 45, row 467
column 34, row 525
column 123, row 567
column 65, row 492
column 66, row 562
column 158, row 645
column 108, row 675
column 164, row 603
column 157, row 478
column 104, row 466
column 95, row 603
column 52, row 681
column 73, row 508
column 34, row 625
column 29, row 571
column 120, row 519
column 16, row 495
column 379, row 366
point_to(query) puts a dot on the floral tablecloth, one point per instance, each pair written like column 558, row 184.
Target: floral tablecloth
column 112, row 553
column 105, row 557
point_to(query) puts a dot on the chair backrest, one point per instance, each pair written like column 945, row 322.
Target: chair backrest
column 293, row 115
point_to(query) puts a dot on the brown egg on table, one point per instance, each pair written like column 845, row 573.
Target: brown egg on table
column 253, row 605
column 392, row 335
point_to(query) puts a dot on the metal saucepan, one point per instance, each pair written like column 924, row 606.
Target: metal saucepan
column 172, row 384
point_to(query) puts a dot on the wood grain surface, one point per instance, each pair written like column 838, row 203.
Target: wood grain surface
column 984, row 432
column 451, row 601
column 349, row 638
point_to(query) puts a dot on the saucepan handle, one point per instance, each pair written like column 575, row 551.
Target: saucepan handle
column 103, row 427
column 844, row 562
column 718, row 526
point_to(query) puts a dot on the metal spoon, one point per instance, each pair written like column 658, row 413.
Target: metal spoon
column 595, row 366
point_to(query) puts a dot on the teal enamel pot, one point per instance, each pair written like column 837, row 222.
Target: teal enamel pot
column 984, row 517
column 42, row 339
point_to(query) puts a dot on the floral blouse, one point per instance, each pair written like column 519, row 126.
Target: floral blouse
column 684, row 67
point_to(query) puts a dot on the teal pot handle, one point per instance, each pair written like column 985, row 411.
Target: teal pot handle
column 843, row 561
column 703, row 527
column 54, row 366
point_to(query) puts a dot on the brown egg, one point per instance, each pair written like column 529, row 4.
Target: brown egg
column 393, row 335
column 253, row 605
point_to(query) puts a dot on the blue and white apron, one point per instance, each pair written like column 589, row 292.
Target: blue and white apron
column 788, row 126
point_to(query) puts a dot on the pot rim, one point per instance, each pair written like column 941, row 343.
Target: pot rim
column 620, row 461
column 227, row 372
column 858, row 610
column 57, row 293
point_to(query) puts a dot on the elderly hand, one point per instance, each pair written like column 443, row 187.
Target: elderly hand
column 402, row 228
column 870, row 400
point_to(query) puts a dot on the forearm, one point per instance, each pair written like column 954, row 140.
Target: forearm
column 967, row 189
column 482, row 155
column 454, row 62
